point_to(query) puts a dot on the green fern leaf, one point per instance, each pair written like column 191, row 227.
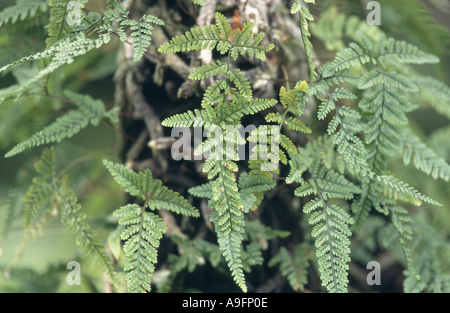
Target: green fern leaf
column 403, row 187
column 142, row 237
column 202, row 191
column 403, row 52
column 424, row 158
column 295, row 267
column 90, row 111
column 331, row 233
column 202, row 38
column 59, row 29
column 144, row 229
column 74, row 220
column 348, row 57
column 22, row 10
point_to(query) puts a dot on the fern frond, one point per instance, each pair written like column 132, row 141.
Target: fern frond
column 58, row 28
column 403, row 52
column 435, row 93
column 320, row 151
column 37, row 56
column 241, row 82
column 245, row 42
column 331, row 234
column 37, row 197
column 90, row 111
column 64, row 199
column 142, row 237
column 321, row 86
column 251, row 184
column 141, row 30
column 162, row 197
column 335, row 185
column 9, row 208
column 234, row 111
column 202, row 191
column 64, row 53
column 348, row 57
column 294, row 267
column 208, row 70
column 22, row 10
column 424, row 158
column 208, row 37
column 197, row 118
column 74, row 220
column 228, row 218
column 296, row 96
column 403, row 187
column 145, row 229
column 306, row 16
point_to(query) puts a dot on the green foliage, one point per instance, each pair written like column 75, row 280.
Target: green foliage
column 22, row 10
column 144, row 229
column 229, row 204
column 141, row 30
column 347, row 143
column 90, row 111
column 306, row 16
column 295, row 267
column 49, row 196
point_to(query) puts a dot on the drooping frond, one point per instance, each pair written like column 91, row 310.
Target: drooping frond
column 228, row 218
column 56, row 197
column 331, row 231
column 90, row 111
column 142, row 235
column 404, row 188
column 73, row 219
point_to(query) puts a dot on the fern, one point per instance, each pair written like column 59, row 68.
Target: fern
column 295, row 267
column 346, row 165
column 58, row 28
column 50, row 194
column 226, row 200
column 331, row 227
column 90, row 111
column 306, row 16
column 22, row 10
column 144, row 229
column 141, row 30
